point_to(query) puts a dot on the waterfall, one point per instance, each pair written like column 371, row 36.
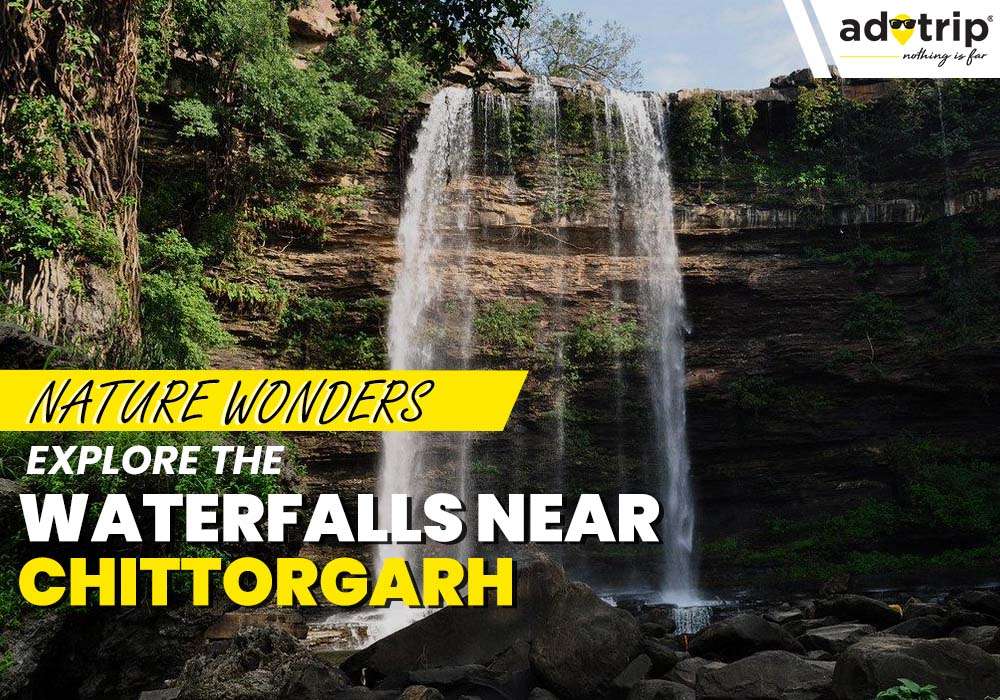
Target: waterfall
column 498, row 159
column 644, row 171
column 422, row 333
column 615, row 230
column 544, row 102
column 950, row 208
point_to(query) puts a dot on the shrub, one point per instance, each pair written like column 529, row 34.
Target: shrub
column 328, row 334
column 874, row 317
column 179, row 323
column 694, row 124
column 601, row 337
column 36, row 219
column 908, row 690
column 506, row 326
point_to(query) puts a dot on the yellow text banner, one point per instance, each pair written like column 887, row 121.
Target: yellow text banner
column 259, row 400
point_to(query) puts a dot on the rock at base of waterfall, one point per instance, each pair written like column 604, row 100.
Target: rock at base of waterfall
column 835, row 638
column 686, row 671
column 986, row 637
column 637, row 670
column 769, row 675
column 661, row 616
column 663, row 657
column 741, row 636
column 421, row 692
column 661, row 690
column 232, row 623
column 578, row 643
column 985, row 602
column 784, row 614
column 918, row 608
column 876, row 663
column 858, row 608
column 583, row 643
column 264, row 664
column 923, row 627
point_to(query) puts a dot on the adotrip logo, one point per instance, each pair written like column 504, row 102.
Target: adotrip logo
column 895, row 39
column 968, row 31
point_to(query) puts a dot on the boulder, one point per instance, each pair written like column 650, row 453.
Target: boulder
column 637, row 670
column 653, row 630
column 360, row 692
column 23, row 350
column 858, row 608
column 924, row 627
column 315, row 20
column 583, row 643
column 835, row 638
column 471, row 680
column 447, row 676
column 968, row 618
column 260, row 663
column 797, row 628
column 985, row 602
column 777, row 675
column 918, row 608
column 875, row 663
column 578, row 643
column 986, row 637
column 231, row 623
column 661, row 690
column 785, row 613
column 421, row 692
column 161, row 694
column 739, row 636
column 659, row 615
column 686, row 671
column 663, row 657
column 541, row 694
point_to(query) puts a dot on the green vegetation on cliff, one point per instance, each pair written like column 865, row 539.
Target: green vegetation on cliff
column 831, row 148
column 945, row 514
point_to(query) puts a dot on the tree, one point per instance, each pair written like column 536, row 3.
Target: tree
column 441, row 31
column 256, row 116
column 69, row 129
column 566, row 45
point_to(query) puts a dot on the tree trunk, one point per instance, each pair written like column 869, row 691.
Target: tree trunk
column 84, row 53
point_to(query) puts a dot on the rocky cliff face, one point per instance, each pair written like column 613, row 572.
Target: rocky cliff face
column 821, row 337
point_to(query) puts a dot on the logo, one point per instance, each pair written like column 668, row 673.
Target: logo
column 954, row 28
column 923, row 39
column 902, row 28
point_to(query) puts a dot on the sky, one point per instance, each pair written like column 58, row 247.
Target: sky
column 722, row 44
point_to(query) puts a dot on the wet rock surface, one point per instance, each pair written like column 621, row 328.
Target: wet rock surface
column 741, row 636
column 958, row 670
column 767, row 675
column 260, row 663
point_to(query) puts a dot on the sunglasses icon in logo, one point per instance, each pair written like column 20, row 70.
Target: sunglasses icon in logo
column 902, row 27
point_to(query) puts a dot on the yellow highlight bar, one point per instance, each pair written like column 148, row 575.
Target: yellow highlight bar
column 258, row 400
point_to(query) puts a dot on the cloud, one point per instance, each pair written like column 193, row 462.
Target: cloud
column 672, row 72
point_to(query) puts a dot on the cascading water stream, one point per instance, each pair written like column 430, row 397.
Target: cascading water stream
column 545, row 115
column 436, row 205
column 949, row 186
column 614, row 226
column 645, row 175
